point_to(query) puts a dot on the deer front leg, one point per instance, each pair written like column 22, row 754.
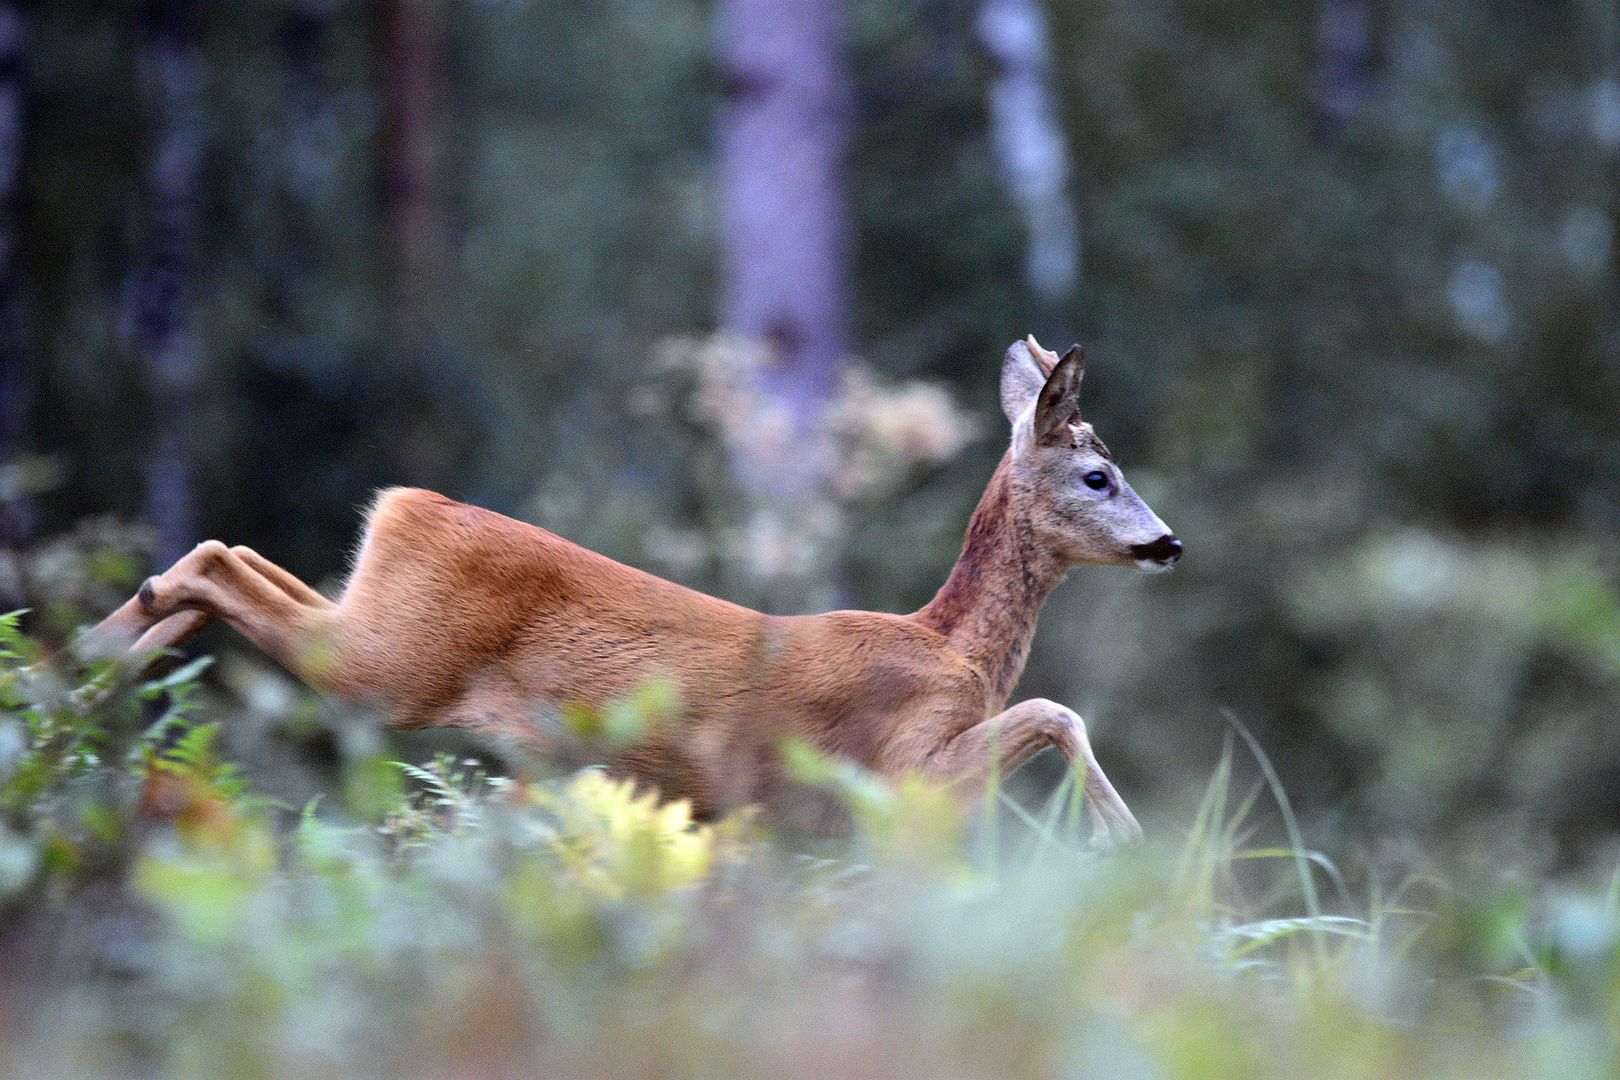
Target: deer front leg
column 1008, row 739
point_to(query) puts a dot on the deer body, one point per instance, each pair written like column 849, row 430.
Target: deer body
column 457, row 615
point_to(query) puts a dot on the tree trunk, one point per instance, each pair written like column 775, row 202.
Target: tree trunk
column 1029, row 142
column 161, row 326
column 306, row 167
column 16, row 383
column 412, row 34
column 784, row 132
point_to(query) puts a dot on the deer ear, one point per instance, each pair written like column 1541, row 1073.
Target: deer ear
column 1059, row 402
column 1024, row 370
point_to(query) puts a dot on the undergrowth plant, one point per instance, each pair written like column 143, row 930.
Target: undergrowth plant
column 163, row 912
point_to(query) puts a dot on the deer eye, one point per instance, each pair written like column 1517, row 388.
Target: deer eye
column 1096, row 480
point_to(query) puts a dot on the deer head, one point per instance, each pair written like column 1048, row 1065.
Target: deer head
column 1062, row 478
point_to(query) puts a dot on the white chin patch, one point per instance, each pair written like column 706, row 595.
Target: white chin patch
column 1152, row 566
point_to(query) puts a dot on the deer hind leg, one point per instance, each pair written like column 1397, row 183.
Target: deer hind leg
column 282, row 578
column 1001, row 744
column 172, row 630
column 136, row 624
column 275, row 611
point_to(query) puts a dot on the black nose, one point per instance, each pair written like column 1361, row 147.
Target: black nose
column 1166, row 549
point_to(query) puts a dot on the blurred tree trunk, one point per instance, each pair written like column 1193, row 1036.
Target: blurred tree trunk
column 1343, row 51
column 306, row 167
column 784, row 132
column 158, row 307
column 412, row 35
column 1028, row 140
column 16, row 382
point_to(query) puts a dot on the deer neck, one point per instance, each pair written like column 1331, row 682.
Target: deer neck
column 988, row 606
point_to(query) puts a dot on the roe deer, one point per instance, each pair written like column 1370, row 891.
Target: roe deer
column 454, row 615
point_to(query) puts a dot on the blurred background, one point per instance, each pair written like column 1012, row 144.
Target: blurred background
column 722, row 291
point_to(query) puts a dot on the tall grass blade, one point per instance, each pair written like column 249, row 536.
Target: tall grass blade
column 1307, row 883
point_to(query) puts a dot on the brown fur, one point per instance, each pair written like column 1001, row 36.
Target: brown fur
column 457, row 615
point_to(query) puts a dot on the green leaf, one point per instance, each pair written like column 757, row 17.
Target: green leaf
column 183, row 676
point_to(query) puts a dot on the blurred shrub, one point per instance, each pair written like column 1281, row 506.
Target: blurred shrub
column 76, row 576
column 160, row 915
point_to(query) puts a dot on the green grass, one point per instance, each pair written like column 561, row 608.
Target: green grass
column 432, row 919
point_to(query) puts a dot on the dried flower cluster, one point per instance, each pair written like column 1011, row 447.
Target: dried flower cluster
column 800, row 466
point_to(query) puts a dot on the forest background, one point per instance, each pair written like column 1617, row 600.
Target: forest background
column 1346, row 272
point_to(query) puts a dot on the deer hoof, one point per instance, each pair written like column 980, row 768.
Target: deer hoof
column 1114, row 827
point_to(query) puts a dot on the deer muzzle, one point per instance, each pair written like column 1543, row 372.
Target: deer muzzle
column 1164, row 551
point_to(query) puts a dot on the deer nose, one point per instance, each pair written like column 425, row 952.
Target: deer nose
column 1166, row 549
